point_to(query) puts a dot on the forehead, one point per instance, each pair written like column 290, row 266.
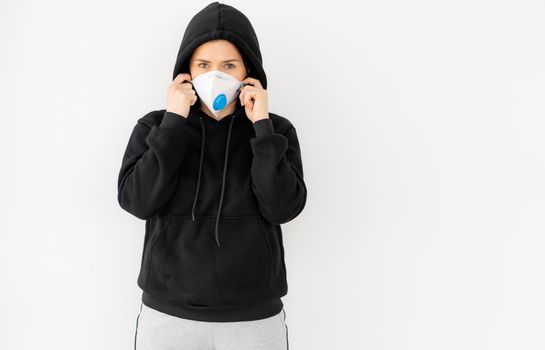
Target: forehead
column 218, row 49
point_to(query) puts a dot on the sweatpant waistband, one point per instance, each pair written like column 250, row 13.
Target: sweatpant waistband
column 213, row 314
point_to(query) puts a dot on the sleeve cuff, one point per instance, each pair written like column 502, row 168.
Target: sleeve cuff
column 173, row 120
column 263, row 127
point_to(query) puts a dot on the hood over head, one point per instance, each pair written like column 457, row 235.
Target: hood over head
column 221, row 21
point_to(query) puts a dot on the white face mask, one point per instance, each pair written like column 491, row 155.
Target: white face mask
column 217, row 89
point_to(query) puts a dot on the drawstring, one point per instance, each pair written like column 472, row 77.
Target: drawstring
column 216, row 229
column 223, row 180
column 200, row 169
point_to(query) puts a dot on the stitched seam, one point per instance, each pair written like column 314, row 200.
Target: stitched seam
column 136, row 329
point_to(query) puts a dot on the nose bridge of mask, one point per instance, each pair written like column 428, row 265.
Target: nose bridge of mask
column 216, row 89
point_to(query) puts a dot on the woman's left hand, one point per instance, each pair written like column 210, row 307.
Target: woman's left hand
column 255, row 100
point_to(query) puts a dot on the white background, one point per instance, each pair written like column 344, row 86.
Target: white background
column 421, row 129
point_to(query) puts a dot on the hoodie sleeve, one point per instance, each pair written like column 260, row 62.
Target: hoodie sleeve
column 148, row 175
column 277, row 172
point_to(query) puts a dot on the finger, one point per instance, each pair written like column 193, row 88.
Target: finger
column 248, row 98
column 253, row 81
column 183, row 85
column 245, row 89
column 243, row 96
column 181, row 77
column 249, row 104
column 187, row 86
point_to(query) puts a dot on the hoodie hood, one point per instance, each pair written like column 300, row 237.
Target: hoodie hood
column 221, row 21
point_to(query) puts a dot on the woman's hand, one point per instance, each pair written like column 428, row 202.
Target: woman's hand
column 180, row 97
column 255, row 99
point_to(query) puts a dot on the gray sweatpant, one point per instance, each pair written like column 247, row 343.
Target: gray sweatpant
column 156, row 330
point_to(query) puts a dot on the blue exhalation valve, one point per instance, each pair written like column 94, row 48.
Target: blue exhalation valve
column 219, row 102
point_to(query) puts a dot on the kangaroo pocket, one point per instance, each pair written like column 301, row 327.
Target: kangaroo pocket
column 187, row 267
column 243, row 260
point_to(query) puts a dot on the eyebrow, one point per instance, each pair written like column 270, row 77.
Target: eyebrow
column 229, row 60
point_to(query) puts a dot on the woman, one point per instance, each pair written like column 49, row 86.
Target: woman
column 214, row 175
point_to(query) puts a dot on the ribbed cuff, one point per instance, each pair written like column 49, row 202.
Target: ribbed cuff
column 263, row 127
column 173, row 120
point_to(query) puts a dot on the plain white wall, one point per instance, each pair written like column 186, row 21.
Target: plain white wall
column 421, row 128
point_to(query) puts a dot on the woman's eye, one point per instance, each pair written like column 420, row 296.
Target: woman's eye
column 228, row 65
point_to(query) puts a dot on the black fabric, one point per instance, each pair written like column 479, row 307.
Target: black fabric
column 221, row 21
column 214, row 194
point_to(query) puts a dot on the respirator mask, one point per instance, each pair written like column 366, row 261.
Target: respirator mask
column 217, row 89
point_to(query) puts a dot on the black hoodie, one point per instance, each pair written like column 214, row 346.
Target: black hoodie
column 214, row 194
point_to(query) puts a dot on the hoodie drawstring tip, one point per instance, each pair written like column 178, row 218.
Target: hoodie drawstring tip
column 217, row 235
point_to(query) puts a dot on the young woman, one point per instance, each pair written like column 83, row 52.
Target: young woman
column 214, row 175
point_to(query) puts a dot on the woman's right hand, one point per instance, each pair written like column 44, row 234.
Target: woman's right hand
column 181, row 96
